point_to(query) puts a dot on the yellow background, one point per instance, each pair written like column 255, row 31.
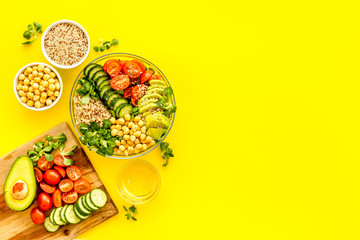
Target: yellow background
column 266, row 134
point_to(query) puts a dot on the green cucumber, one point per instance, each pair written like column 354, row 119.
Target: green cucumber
column 101, row 80
column 81, row 209
column 117, row 102
column 88, row 67
column 89, row 203
column 62, row 213
column 98, row 197
column 118, row 110
column 85, row 204
column 57, row 219
column 104, row 83
column 79, row 215
column 126, row 110
column 94, row 70
column 70, row 215
column 103, row 90
column 49, row 226
column 110, row 98
column 98, row 75
column 51, row 217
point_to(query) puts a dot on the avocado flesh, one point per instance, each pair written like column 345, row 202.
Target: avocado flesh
column 157, row 121
column 147, row 107
column 22, row 169
column 155, row 133
column 157, row 82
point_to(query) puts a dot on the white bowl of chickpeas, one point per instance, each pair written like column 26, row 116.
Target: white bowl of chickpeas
column 38, row 86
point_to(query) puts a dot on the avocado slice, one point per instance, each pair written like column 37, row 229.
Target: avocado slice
column 157, row 120
column 147, row 107
column 157, row 82
column 155, row 133
column 148, row 96
column 20, row 184
column 156, row 86
column 155, row 90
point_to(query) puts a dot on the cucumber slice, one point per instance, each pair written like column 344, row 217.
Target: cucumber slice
column 98, row 197
column 94, row 70
column 104, row 83
column 80, row 215
column 85, row 204
column 117, row 111
column 117, row 102
column 49, row 226
column 101, row 80
column 89, row 203
column 103, row 90
column 88, row 67
column 98, row 75
column 57, row 219
column 125, row 110
column 80, row 207
column 51, row 217
column 62, row 213
column 111, row 97
column 70, row 215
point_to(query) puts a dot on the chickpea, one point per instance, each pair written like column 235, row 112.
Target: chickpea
column 42, row 104
column 30, row 103
column 21, row 93
column 114, row 132
column 148, row 139
column 40, row 75
column 126, row 152
column 18, row 87
column 137, row 118
column 132, row 138
column 26, row 81
column 136, row 150
column 130, row 149
column 121, row 148
column 42, row 89
column 41, row 68
column 48, row 101
column 46, row 77
column 52, row 87
column 135, row 127
column 123, row 142
column 138, row 146
column 117, row 142
column 120, row 121
column 47, row 70
column 35, row 68
column 35, row 73
column 130, row 124
column 141, row 123
column 45, row 84
column 144, row 147
column 25, row 88
column 112, row 127
column 118, row 127
column 30, row 95
column 131, row 132
column 53, row 98
column 28, row 69
column 126, row 137
column 37, row 79
column 31, row 89
column 112, row 120
column 31, row 77
column 126, row 145
column 125, row 129
column 37, row 92
column 120, row 133
column 44, row 95
column 143, row 129
column 57, row 86
column 37, row 98
column 23, row 99
column 50, row 93
column 36, row 86
column 142, row 136
column 56, row 93
column 52, row 75
column 127, row 117
column 130, row 143
column 37, row 104
column 32, row 82
column 21, row 77
column 137, row 141
column 137, row 134
column 42, row 100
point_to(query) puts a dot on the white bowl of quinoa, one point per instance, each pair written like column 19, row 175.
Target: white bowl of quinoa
column 65, row 44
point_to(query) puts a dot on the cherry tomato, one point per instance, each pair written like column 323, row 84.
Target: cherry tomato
column 146, row 76
column 60, row 170
column 44, row 164
column 127, row 92
column 155, row 76
column 141, row 64
column 113, row 69
column 47, row 188
column 52, row 177
column 56, row 198
column 108, row 62
column 59, row 160
column 66, row 185
column 37, row 215
column 70, row 197
column 82, row 186
column 134, row 102
column 120, row 82
column 73, row 172
column 132, row 69
column 138, row 91
column 44, row 201
column 38, row 174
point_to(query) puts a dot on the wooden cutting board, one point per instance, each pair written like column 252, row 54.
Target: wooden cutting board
column 18, row 225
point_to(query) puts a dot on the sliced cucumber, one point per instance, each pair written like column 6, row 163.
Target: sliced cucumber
column 50, row 226
column 103, row 90
column 51, row 217
column 98, row 75
column 85, row 204
column 111, row 97
column 117, row 102
column 98, row 197
column 89, row 203
column 94, row 70
column 88, row 67
column 79, row 215
column 62, row 213
column 81, row 209
column 70, row 215
column 101, row 80
column 57, row 219
column 126, row 110
column 117, row 111
column 104, row 83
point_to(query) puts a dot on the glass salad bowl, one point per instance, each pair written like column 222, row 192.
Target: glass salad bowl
column 122, row 56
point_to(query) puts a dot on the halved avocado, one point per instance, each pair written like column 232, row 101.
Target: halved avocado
column 20, row 184
column 157, row 121
column 155, row 133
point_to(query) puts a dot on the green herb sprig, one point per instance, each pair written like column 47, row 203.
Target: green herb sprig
column 106, row 45
column 166, row 152
column 130, row 212
column 135, row 112
column 163, row 104
column 87, row 91
column 33, row 30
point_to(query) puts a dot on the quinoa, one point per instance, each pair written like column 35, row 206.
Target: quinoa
column 94, row 111
column 66, row 44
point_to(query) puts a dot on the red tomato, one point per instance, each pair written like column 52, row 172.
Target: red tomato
column 56, row 198
column 127, row 92
column 73, row 172
column 108, row 62
column 70, row 197
column 120, row 82
column 141, row 64
column 155, row 76
column 52, row 177
column 37, row 215
column 59, row 160
column 38, row 174
column 82, row 186
column 44, row 164
column 134, row 102
column 146, row 76
column 113, row 69
column 60, row 170
column 66, row 185
column 44, row 201
column 138, row 91
column 47, row 188
column 132, row 69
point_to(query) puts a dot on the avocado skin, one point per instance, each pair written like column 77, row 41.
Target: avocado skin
column 157, row 120
column 22, row 169
column 155, row 133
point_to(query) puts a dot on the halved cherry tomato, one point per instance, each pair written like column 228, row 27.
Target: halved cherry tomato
column 47, row 188
column 138, row 91
column 141, row 64
column 60, row 170
column 127, row 92
column 155, row 76
column 66, row 185
column 52, row 177
column 38, row 174
column 120, row 82
column 73, row 172
column 44, row 164
column 37, row 215
column 134, row 102
column 146, row 76
column 108, row 62
column 44, row 201
column 59, row 160
column 70, row 197
column 132, row 69
column 56, row 198
column 82, row 186
column 113, row 69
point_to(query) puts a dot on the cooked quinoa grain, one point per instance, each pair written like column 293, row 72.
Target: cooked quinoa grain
column 94, row 111
column 66, row 44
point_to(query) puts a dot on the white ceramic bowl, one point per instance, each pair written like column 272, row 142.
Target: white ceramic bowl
column 16, row 80
column 43, row 44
